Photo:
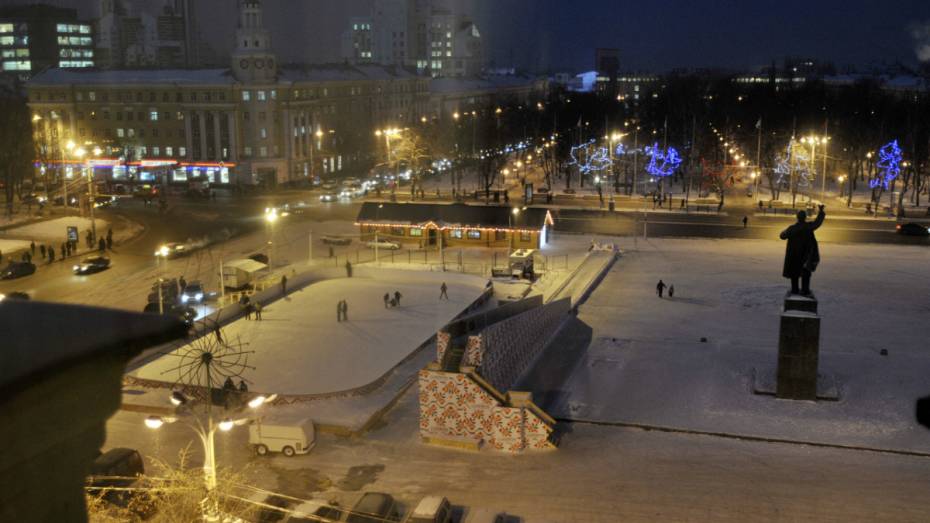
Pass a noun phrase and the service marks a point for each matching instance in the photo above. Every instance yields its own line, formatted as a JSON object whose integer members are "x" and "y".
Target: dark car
{"x": 15, "y": 295}
{"x": 17, "y": 270}
{"x": 260, "y": 258}
{"x": 118, "y": 469}
{"x": 104, "y": 201}
{"x": 374, "y": 507}
{"x": 60, "y": 200}
{"x": 193, "y": 293}
{"x": 92, "y": 265}
{"x": 182, "y": 312}
{"x": 912, "y": 229}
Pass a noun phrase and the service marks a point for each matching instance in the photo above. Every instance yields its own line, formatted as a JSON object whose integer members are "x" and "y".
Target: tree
{"x": 410, "y": 148}
{"x": 18, "y": 150}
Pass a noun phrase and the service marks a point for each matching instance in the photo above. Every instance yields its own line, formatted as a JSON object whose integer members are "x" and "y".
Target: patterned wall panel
{"x": 442, "y": 344}
{"x": 474, "y": 351}
{"x": 453, "y": 405}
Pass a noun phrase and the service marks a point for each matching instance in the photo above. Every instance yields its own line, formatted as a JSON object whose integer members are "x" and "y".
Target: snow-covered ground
{"x": 300, "y": 348}
{"x": 8, "y": 247}
{"x": 646, "y": 363}
{"x": 56, "y": 229}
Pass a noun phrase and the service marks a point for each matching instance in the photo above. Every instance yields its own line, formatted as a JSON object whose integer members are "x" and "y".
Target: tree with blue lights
{"x": 662, "y": 164}
{"x": 888, "y": 164}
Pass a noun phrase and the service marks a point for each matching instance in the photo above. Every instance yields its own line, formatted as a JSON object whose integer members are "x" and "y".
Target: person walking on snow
{"x": 102, "y": 245}
{"x": 660, "y": 287}
{"x": 348, "y": 269}
{"x": 183, "y": 283}
{"x": 109, "y": 239}
{"x": 284, "y": 285}
{"x": 387, "y": 298}
{"x": 745, "y": 221}
{"x": 32, "y": 248}
{"x": 671, "y": 291}
{"x": 339, "y": 311}
{"x": 397, "y": 297}
{"x": 443, "y": 291}
{"x": 345, "y": 310}
{"x": 258, "y": 311}
{"x": 42, "y": 250}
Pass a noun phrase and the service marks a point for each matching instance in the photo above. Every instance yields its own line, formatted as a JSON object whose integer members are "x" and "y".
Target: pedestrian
{"x": 258, "y": 311}
{"x": 339, "y": 311}
{"x": 397, "y": 296}
{"x": 229, "y": 384}
{"x": 345, "y": 310}
{"x": 443, "y": 291}
{"x": 387, "y": 298}
{"x": 102, "y": 245}
{"x": 246, "y": 306}
{"x": 393, "y": 302}
{"x": 745, "y": 221}
{"x": 682, "y": 203}
{"x": 64, "y": 252}
{"x": 242, "y": 386}
{"x": 110, "y": 240}
{"x": 284, "y": 285}
{"x": 32, "y": 247}
{"x": 671, "y": 291}
{"x": 89, "y": 238}
{"x": 660, "y": 288}
{"x": 348, "y": 269}
{"x": 331, "y": 253}
{"x": 51, "y": 254}
{"x": 182, "y": 282}
{"x": 42, "y": 250}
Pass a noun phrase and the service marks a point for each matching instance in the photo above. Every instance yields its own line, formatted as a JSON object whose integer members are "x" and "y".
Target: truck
{"x": 237, "y": 274}
{"x": 289, "y": 439}
{"x": 521, "y": 263}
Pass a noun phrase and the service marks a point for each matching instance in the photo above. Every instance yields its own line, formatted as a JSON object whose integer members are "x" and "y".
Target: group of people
{"x": 660, "y": 289}
{"x": 66, "y": 250}
{"x": 250, "y": 308}
{"x": 391, "y": 302}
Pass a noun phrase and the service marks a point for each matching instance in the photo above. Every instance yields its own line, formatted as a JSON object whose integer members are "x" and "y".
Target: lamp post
{"x": 271, "y": 216}
{"x": 205, "y": 427}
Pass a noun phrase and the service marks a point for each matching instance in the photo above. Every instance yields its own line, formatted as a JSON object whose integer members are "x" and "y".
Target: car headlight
{"x": 198, "y": 296}
{"x": 184, "y": 298}
{"x": 77, "y": 267}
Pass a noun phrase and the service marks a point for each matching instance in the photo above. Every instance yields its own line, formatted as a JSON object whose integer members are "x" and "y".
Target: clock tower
{"x": 253, "y": 60}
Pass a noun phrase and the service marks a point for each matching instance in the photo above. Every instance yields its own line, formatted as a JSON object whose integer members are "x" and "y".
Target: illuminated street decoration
{"x": 795, "y": 159}
{"x": 662, "y": 163}
{"x": 594, "y": 159}
{"x": 619, "y": 150}
{"x": 889, "y": 165}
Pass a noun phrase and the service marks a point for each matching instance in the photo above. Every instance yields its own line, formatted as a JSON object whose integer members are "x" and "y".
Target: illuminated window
{"x": 263, "y": 133}
{"x": 524, "y": 236}
{"x": 263, "y": 151}
{"x": 474, "y": 234}
{"x": 260, "y": 96}
{"x": 156, "y": 151}
{"x": 456, "y": 233}
{"x": 182, "y": 151}
{"x": 246, "y": 96}
{"x": 153, "y": 116}
{"x": 169, "y": 151}
{"x": 120, "y": 132}
{"x": 416, "y": 231}
{"x": 6, "y": 28}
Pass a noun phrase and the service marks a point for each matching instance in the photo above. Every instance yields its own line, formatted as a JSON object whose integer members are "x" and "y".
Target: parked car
{"x": 329, "y": 196}
{"x": 17, "y": 270}
{"x": 383, "y": 244}
{"x": 431, "y": 509}
{"x": 117, "y": 468}
{"x": 374, "y": 507}
{"x": 60, "y": 200}
{"x": 336, "y": 240}
{"x": 182, "y": 312}
{"x": 193, "y": 293}
{"x": 286, "y": 439}
{"x": 259, "y": 257}
{"x": 316, "y": 511}
{"x": 912, "y": 229}
{"x": 15, "y": 295}
{"x": 91, "y": 265}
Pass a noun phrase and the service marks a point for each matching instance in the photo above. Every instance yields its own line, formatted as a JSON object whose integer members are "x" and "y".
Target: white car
{"x": 383, "y": 244}
{"x": 329, "y": 197}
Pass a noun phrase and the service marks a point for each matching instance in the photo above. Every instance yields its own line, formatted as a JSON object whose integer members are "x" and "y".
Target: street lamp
{"x": 271, "y": 216}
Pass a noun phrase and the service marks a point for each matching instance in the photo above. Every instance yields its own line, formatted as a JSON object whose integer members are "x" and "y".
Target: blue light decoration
{"x": 889, "y": 165}
{"x": 596, "y": 159}
{"x": 662, "y": 163}
{"x": 619, "y": 150}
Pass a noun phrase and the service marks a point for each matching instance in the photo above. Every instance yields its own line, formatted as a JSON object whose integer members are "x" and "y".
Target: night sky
{"x": 653, "y": 36}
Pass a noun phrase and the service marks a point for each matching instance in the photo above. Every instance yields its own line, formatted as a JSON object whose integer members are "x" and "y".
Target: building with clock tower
{"x": 253, "y": 61}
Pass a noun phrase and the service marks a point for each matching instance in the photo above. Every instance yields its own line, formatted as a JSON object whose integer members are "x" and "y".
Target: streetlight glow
{"x": 226, "y": 425}
{"x": 154, "y": 422}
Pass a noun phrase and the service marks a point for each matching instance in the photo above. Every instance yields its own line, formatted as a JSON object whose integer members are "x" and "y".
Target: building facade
{"x": 130, "y": 39}
{"x": 357, "y": 45}
{"x": 253, "y": 123}
{"x": 36, "y": 37}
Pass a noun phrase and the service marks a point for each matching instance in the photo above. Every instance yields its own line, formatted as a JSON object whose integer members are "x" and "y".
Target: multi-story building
{"x": 357, "y": 45}
{"x": 36, "y": 37}
{"x": 426, "y": 35}
{"x": 129, "y": 39}
{"x": 252, "y": 123}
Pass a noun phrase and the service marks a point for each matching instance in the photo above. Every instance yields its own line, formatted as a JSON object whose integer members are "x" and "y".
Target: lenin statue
{"x": 802, "y": 254}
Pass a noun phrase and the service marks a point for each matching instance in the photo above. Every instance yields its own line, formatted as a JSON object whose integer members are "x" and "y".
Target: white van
{"x": 286, "y": 439}
{"x": 431, "y": 509}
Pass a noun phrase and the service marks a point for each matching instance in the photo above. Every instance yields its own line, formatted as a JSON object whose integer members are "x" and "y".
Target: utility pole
{"x": 755, "y": 189}
{"x": 823, "y": 179}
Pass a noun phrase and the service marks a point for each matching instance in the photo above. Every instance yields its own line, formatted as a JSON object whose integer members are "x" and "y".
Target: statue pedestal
{"x": 798, "y": 349}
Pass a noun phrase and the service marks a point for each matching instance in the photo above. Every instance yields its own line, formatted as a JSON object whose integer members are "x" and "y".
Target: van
{"x": 286, "y": 439}
{"x": 431, "y": 509}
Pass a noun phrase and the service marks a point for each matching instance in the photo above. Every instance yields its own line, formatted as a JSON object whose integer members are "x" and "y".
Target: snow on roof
{"x": 428, "y": 506}
{"x": 455, "y": 215}
{"x": 58, "y": 76}
{"x": 490, "y": 83}
{"x": 246, "y": 265}
{"x": 344, "y": 72}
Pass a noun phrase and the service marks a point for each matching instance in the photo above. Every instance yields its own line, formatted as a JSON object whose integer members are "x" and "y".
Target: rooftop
{"x": 453, "y": 215}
